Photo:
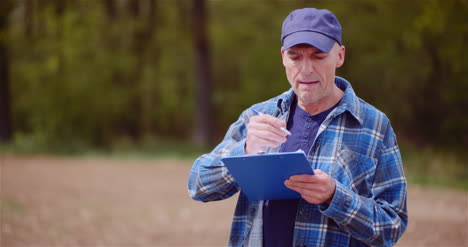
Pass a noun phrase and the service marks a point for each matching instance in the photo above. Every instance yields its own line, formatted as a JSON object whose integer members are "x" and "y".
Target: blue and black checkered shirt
{"x": 356, "y": 145}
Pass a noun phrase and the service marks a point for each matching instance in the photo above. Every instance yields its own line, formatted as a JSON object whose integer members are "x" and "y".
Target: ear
{"x": 341, "y": 56}
{"x": 282, "y": 55}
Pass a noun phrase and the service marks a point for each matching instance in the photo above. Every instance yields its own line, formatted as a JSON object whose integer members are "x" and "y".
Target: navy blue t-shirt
{"x": 279, "y": 216}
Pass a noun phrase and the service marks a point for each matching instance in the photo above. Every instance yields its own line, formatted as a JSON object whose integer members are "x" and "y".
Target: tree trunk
{"x": 111, "y": 9}
{"x": 29, "y": 7}
{"x": 145, "y": 15}
{"x": 5, "y": 116}
{"x": 203, "y": 114}
{"x": 147, "y": 41}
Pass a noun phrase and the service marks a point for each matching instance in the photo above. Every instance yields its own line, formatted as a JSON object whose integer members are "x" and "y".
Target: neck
{"x": 324, "y": 104}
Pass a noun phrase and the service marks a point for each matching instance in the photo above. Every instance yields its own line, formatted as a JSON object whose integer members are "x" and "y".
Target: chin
{"x": 307, "y": 98}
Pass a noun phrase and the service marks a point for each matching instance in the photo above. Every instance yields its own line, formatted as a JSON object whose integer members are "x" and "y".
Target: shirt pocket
{"x": 355, "y": 171}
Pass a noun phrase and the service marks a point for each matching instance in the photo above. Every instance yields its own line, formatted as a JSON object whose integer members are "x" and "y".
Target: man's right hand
{"x": 264, "y": 131}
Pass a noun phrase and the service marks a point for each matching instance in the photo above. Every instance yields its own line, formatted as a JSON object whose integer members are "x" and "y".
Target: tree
{"x": 203, "y": 87}
{"x": 5, "y": 118}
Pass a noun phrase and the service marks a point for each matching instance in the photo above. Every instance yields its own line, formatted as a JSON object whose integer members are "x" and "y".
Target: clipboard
{"x": 261, "y": 177}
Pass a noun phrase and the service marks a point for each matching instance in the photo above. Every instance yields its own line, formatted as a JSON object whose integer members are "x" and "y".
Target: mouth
{"x": 308, "y": 82}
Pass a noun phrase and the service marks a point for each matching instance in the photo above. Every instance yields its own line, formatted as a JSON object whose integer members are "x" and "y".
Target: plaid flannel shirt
{"x": 355, "y": 145}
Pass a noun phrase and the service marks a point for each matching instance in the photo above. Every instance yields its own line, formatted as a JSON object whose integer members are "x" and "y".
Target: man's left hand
{"x": 316, "y": 189}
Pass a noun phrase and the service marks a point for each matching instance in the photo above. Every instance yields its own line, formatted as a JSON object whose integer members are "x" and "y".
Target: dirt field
{"x": 98, "y": 202}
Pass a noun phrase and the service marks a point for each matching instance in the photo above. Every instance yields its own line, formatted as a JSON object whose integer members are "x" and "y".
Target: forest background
{"x": 170, "y": 76}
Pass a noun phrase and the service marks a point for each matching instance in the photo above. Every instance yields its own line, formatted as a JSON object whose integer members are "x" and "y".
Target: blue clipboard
{"x": 261, "y": 177}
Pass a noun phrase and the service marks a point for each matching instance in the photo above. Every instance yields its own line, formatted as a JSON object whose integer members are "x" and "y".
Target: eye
{"x": 294, "y": 58}
{"x": 320, "y": 56}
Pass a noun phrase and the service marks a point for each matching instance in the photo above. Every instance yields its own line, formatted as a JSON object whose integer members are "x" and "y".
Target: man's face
{"x": 311, "y": 72}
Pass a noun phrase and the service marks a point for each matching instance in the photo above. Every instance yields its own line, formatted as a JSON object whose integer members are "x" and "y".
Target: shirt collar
{"x": 350, "y": 102}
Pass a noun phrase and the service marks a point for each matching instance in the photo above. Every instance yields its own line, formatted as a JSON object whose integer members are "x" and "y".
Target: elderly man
{"x": 357, "y": 196}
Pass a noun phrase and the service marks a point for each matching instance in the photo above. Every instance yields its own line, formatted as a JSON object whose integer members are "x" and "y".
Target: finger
{"x": 266, "y": 131}
{"x": 303, "y": 186}
{"x": 306, "y": 178}
{"x": 273, "y": 124}
{"x": 319, "y": 172}
{"x": 273, "y": 137}
{"x": 318, "y": 177}
{"x": 276, "y": 122}
{"x": 312, "y": 195}
{"x": 312, "y": 199}
{"x": 260, "y": 140}
{"x": 256, "y": 143}
{"x": 267, "y": 127}
{"x": 292, "y": 186}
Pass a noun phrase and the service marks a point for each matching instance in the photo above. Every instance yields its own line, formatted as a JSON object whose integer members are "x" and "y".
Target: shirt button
{"x": 309, "y": 119}
{"x": 252, "y": 212}
{"x": 305, "y": 136}
{"x": 235, "y": 239}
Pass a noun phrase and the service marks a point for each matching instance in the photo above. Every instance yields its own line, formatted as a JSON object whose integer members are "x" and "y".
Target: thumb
{"x": 319, "y": 172}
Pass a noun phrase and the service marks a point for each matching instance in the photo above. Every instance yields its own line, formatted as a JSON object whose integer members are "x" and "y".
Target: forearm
{"x": 209, "y": 179}
{"x": 380, "y": 217}
{"x": 373, "y": 221}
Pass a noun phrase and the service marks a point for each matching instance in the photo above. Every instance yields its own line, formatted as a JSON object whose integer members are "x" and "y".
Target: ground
{"x": 47, "y": 201}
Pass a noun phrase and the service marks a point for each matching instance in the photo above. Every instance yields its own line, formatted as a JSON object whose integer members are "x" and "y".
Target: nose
{"x": 307, "y": 67}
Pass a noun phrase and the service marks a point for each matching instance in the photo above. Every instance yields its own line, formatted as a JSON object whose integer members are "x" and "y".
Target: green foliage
{"x": 435, "y": 167}
{"x": 10, "y": 208}
{"x": 83, "y": 77}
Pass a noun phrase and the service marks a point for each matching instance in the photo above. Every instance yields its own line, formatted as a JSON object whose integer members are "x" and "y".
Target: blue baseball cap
{"x": 316, "y": 27}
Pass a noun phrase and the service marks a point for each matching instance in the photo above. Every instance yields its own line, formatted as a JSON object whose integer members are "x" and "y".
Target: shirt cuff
{"x": 339, "y": 205}
{"x": 239, "y": 149}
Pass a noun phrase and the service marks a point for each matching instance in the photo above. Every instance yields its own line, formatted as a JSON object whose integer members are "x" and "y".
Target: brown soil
{"x": 106, "y": 202}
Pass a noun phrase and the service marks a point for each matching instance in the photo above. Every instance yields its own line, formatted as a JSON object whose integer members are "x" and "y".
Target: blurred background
{"x": 153, "y": 75}
{"x": 157, "y": 79}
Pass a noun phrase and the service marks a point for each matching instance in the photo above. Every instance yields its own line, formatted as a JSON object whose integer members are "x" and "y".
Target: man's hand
{"x": 264, "y": 131}
{"x": 316, "y": 189}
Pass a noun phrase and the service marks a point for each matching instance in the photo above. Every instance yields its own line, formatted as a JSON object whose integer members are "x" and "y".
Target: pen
{"x": 281, "y": 128}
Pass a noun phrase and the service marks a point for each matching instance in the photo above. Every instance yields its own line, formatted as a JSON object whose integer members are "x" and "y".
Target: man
{"x": 357, "y": 196}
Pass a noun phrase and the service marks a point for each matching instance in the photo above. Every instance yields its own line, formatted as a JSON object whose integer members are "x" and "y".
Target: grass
{"x": 121, "y": 149}
{"x": 426, "y": 166}
{"x": 9, "y": 207}
{"x": 149, "y": 150}
{"x": 434, "y": 167}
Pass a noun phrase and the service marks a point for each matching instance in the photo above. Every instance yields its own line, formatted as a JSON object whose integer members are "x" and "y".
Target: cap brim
{"x": 315, "y": 39}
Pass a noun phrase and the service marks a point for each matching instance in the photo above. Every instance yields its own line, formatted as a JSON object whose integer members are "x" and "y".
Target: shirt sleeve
{"x": 381, "y": 219}
{"x": 209, "y": 179}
